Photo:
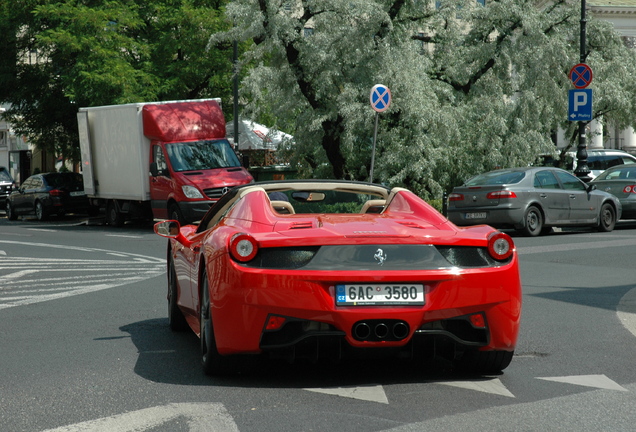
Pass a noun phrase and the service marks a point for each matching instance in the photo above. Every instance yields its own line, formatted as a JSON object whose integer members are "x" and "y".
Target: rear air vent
{"x": 301, "y": 225}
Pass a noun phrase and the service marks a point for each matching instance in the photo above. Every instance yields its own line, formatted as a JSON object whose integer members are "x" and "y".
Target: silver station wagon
{"x": 532, "y": 200}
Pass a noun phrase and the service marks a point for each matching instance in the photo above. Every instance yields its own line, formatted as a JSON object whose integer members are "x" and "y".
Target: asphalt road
{"x": 85, "y": 346}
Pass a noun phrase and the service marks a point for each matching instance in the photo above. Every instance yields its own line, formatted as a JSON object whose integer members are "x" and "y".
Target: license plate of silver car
{"x": 480, "y": 215}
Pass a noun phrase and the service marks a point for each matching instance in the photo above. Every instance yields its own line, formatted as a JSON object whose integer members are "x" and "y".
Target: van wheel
{"x": 113, "y": 216}
{"x": 174, "y": 213}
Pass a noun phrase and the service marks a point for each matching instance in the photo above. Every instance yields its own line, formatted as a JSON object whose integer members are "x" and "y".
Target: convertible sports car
{"x": 324, "y": 269}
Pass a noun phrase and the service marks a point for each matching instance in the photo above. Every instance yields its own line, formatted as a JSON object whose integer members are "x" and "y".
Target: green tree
{"x": 62, "y": 55}
{"x": 474, "y": 87}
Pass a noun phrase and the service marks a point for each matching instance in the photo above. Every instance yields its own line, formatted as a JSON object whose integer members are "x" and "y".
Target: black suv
{"x": 6, "y": 185}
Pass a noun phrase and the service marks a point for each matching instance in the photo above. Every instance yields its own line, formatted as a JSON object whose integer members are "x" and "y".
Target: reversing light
{"x": 274, "y": 322}
{"x": 500, "y": 245}
{"x": 243, "y": 247}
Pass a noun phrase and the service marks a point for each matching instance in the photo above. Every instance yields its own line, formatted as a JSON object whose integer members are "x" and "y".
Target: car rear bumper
{"x": 629, "y": 209}
{"x": 496, "y": 217}
{"x": 305, "y": 301}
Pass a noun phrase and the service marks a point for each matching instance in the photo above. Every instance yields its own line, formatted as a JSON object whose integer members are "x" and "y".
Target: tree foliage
{"x": 473, "y": 87}
{"x": 62, "y": 55}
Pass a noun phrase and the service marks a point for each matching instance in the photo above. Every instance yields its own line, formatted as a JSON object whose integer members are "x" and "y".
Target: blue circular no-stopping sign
{"x": 380, "y": 98}
{"x": 581, "y": 75}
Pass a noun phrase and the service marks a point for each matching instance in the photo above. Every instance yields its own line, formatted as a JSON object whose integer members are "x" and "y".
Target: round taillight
{"x": 500, "y": 246}
{"x": 243, "y": 247}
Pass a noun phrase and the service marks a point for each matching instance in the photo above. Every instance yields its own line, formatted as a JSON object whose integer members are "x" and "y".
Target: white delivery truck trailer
{"x": 157, "y": 160}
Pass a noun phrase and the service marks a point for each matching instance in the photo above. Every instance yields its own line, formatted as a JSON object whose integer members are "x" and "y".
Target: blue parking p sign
{"x": 580, "y": 105}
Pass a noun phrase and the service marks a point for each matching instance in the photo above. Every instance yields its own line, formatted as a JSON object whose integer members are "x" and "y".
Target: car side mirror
{"x": 153, "y": 169}
{"x": 171, "y": 229}
{"x": 591, "y": 187}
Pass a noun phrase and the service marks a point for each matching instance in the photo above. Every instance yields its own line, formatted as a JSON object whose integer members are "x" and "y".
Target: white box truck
{"x": 157, "y": 160}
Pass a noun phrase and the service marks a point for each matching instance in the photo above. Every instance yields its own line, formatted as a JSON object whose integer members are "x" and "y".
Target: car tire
{"x": 485, "y": 362}
{"x": 606, "y": 218}
{"x": 11, "y": 215}
{"x": 113, "y": 216}
{"x": 533, "y": 222}
{"x": 40, "y": 212}
{"x": 213, "y": 363}
{"x": 176, "y": 319}
{"x": 174, "y": 213}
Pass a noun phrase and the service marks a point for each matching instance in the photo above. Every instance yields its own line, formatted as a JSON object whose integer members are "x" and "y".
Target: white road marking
{"x": 373, "y": 393}
{"x": 16, "y": 275}
{"x": 493, "y": 386}
{"x": 200, "y": 417}
{"x": 595, "y": 381}
{"x": 32, "y": 280}
{"x": 124, "y": 236}
{"x": 41, "y": 229}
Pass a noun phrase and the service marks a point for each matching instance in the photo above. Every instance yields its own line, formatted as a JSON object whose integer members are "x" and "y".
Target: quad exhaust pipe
{"x": 380, "y": 330}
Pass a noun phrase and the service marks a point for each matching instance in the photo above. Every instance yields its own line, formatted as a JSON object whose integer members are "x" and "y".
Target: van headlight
{"x": 191, "y": 192}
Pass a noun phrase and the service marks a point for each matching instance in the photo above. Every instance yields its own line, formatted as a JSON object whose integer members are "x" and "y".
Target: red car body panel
{"x": 243, "y": 297}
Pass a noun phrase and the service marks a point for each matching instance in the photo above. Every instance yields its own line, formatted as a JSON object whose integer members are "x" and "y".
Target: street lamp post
{"x": 235, "y": 83}
{"x": 582, "y": 170}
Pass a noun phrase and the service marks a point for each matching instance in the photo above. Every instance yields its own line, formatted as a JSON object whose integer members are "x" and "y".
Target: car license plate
{"x": 481, "y": 215}
{"x": 379, "y": 295}
{"x": 78, "y": 193}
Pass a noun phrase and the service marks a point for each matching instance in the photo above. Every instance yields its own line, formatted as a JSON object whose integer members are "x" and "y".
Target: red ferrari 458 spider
{"x": 328, "y": 269}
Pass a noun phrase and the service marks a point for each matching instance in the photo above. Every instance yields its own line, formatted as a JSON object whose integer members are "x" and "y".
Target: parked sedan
{"x": 532, "y": 200}
{"x": 621, "y": 182}
{"x": 329, "y": 269}
{"x": 47, "y": 194}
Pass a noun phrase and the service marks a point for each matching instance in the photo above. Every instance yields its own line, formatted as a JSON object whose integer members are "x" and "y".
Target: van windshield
{"x": 201, "y": 155}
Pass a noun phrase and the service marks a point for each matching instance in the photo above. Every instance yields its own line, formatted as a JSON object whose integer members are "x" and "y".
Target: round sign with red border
{"x": 581, "y": 75}
{"x": 380, "y": 98}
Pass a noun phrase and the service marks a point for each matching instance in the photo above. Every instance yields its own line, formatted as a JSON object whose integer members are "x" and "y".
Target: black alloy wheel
{"x": 213, "y": 363}
{"x": 40, "y": 212}
{"x": 176, "y": 319}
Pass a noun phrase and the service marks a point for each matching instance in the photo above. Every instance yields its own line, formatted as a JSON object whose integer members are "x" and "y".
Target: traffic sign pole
{"x": 375, "y": 135}
{"x": 582, "y": 171}
{"x": 380, "y": 99}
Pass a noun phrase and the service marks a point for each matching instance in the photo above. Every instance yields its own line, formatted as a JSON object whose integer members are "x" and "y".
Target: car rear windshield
{"x": 64, "y": 180}
{"x": 497, "y": 178}
{"x": 4, "y": 176}
{"x": 624, "y": 173}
